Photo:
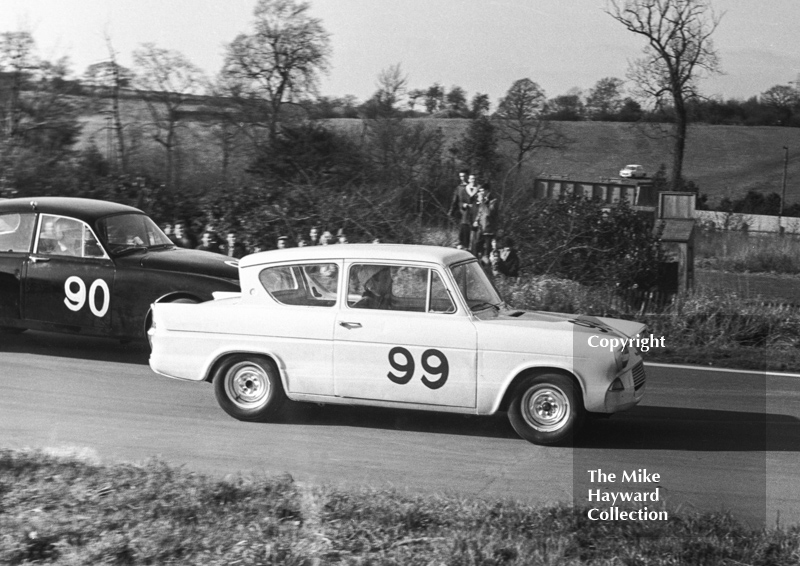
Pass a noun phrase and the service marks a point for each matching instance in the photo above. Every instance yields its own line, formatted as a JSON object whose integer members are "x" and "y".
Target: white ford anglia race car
{"x": 416, "y": 327}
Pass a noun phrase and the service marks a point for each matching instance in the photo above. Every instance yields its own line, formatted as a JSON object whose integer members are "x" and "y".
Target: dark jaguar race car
{"x": 93, "y": 267}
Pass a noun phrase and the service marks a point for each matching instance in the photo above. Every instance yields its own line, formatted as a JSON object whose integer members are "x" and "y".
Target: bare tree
{"x": 480, "y": 105}
{"x": 392, "y": 86}
{"x": 279, "y": 61}
{"x": 434, "y": 98}
{"x": 520, "y": 121}
{"x": 17, "y": 58}
{"x": 780, "y": 96}
{"x": 413, "y": 95}
{"x": 110, "y": 77}
{"x": 456, "y": 99}
{"x": 679, "y": 51}
{"x": 121, "y": 77}
{"x": 605, "y": 98}
{"x": 38, "y": 117}
{"x": 166, "y": 81}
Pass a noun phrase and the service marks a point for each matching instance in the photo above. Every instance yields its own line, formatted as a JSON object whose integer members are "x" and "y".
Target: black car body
{"x": 93, "y": 267}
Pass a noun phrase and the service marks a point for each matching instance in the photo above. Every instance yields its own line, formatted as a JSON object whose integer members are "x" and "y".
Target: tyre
{"x": 249, "y": 388}
{"x": 547, "y": 409}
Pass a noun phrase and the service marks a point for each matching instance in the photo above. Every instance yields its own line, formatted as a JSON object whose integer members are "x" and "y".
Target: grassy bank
{"x": 68, "y": 511}
{"x": 743, "y": 253}
{"x": 706, "y": 328}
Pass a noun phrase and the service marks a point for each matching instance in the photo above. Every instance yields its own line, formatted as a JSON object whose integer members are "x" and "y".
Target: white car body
{"x": 449, "y": 354}
{"x": 632, "y": 171}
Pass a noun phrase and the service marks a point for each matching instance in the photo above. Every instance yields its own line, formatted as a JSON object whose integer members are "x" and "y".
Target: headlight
{"x": 622, "y": 356}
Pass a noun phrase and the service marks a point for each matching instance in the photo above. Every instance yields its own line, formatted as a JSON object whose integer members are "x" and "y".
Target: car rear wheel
{"x": 249, "y": 388}
{"x": 547, "y": 409}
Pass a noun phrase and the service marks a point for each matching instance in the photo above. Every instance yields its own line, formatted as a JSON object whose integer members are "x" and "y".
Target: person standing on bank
{"x": 232, "y": 247}
{"x": 461, "y": 207}
{"x": 485, "y": 221}
{"x": 313, "y": 236}
{"x": 208, "y": 242}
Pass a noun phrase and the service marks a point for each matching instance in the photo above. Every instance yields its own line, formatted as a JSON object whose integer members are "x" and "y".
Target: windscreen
{"x": 475, "y": 287}
{"x": 124, "y": 231}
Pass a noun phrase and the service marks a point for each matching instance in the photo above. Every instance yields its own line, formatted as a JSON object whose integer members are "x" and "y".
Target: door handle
{"x": 350, "y": 325}
{"x": 35, "y": 258}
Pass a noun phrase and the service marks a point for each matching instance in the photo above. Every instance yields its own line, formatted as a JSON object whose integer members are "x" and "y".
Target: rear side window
{"x": 309, "y": 285}
{"x": 61, "y": 236}
{"x": 16, "y": 232}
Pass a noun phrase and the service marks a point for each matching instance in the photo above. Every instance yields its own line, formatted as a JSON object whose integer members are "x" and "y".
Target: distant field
{"x": 722, "y": 160}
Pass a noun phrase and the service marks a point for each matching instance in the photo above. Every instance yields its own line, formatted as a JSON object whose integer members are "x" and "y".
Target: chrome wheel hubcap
{"x": 546, "y": 408}
{"x": 247, "y": 385}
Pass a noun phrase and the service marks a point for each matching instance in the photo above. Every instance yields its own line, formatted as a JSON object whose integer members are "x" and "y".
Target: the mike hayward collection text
{"x": 614, "y": 499}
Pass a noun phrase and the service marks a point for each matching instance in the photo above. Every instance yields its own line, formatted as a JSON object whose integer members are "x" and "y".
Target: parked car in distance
{"x": 632, "y": 171}
{"x": 93, "y": 267}
{"x": 402, "y": 326}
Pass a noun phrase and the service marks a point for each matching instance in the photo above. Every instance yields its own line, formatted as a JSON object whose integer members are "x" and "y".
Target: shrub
{"x": 583, "y": 240}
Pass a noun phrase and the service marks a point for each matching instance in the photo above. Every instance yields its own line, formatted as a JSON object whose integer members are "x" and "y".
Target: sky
{"x": 479, "y": 45}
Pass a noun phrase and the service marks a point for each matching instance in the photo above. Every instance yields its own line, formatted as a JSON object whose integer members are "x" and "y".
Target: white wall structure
{"x": 748, "y": 222}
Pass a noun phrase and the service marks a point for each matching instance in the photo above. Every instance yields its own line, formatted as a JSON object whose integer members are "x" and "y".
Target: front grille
{"x": 638, "y": 376}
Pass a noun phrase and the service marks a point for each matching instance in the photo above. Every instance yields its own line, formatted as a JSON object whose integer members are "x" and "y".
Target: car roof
{"x": 84, "y": 209}
{"x": 366, "y": 252}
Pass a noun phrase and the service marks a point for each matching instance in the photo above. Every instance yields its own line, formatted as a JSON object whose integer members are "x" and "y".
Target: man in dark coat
{"x": 461, "y": 207}
{"x": 506, "y": 261}
{"x": 485, "y": 221}
{"x": 232, "y": 247}
{"x": 208, "y": 242}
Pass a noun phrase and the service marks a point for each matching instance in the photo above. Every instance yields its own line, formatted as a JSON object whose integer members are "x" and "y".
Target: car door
{"x": 69, "y": 279}
{"x": 300, "y": 326}
{"x": 400, "y": 336}
{"x": 16, "y": 240}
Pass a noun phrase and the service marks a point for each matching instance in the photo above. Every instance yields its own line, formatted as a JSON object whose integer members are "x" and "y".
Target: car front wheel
{"x": 249, "y": 388}
{"x": 546, "y": 409}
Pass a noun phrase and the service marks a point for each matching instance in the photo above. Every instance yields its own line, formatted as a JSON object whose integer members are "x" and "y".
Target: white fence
{"x": 748, "y": 222}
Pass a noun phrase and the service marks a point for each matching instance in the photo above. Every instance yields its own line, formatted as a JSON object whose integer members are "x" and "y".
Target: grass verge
{"x": 68, "y": 511}
{"x": 740, "y": 252}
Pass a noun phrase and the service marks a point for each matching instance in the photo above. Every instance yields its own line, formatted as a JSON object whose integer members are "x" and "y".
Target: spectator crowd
{"x": 474, "y": 206}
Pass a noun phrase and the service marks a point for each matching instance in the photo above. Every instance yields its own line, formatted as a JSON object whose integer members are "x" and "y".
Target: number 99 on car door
{"x": 400, "y": 337}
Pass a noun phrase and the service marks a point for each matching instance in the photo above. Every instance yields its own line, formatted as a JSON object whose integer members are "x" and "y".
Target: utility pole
{"x": 783, "y": 192}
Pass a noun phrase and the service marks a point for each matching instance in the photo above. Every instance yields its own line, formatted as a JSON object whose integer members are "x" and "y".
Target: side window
{"x": 91, "y": 247}
{"x": 62, "y": 236}
{"x": 312, "y": 285}
{"x": 384, "y": 287}
{"x": 370, "y": 287}
{"x": 410, "y": 285}
{"x": 16, "y": 232}
{"x": 440, "y": 299}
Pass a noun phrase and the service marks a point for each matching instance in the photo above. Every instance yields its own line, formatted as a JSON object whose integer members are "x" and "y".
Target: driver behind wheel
{"x": 68, "y": 238}
{"x": 377, "y": 282}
